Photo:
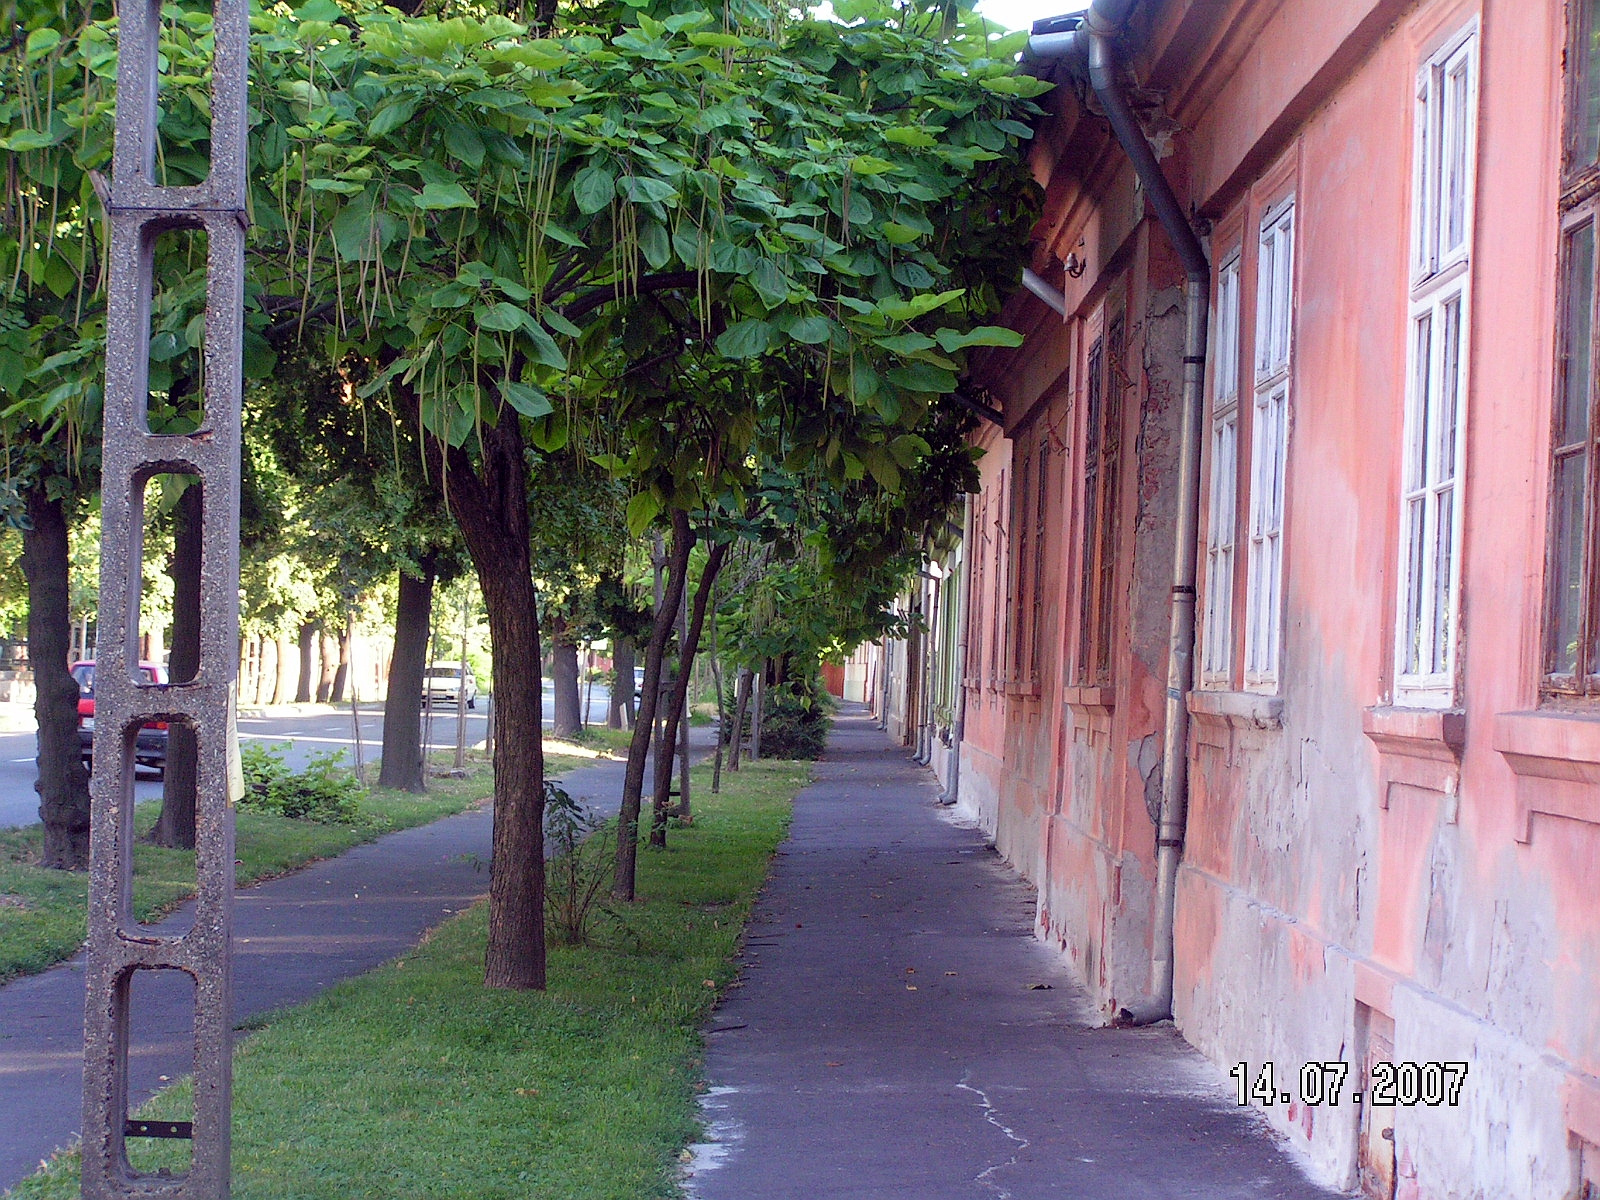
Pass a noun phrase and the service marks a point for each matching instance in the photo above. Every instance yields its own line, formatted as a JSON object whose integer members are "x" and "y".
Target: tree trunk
{"x": 716, "y": 680}
{"x": 288, "y": 664}
{"x": 492, "y": 511}
{"x": 328, "y": 657}
{"x": 341, "y": 677}
{"x": 63, "y": 784}
{"x": 677, "y": 699}
{"x": 620, "y": 714}
{"x": 568, "y": 720}
{"x": 401, "y": 764}
{"x": 760, "y": 690}
{"x": 622, "y": 886}
{"x": 180, "y": 788}
{"x": 741, "y": 706}
{"x": 308, "y": 654}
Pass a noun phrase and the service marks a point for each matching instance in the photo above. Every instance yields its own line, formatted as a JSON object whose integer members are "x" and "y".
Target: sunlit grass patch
{"x": 415, "y": 1080}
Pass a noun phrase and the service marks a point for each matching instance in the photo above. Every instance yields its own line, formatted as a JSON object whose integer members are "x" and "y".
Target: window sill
{"x": 1219, "y": 716}
{"x": 1419, "y": 751}
{"x": 1238, "y": 710}
{"x": 1556, "y": 757}
{"x": 1094, "y": 699}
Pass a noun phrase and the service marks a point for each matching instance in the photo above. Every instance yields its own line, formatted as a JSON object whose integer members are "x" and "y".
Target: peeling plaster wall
{"x": 1351, "y": 874}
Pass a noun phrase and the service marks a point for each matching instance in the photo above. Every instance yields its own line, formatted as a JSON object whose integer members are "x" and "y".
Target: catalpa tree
{"x": 698, "y": 242}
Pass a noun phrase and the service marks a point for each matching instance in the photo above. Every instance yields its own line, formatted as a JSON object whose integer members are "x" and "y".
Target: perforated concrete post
{"x": 139, "y": 211}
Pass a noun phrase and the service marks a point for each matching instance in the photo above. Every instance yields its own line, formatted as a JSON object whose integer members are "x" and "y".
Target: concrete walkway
{"x": 293, "y": 937}
{"x": 899, "y": 1032}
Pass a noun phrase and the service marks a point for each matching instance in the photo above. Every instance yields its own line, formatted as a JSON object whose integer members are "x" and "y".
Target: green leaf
{"x": 592, "y": 188}
{"x": 526, "y": 399}
{"x": 642, "y": 189}
{"x": 899, "y": 234}
{"x": 444, "y": 195}
{"x": 544, "y": 346}
{"x": 908, "y": 135}
{"x": 984, "y": 335}
{"x": 770, "y": 283}
{"x": 501, "y": 317}
{"x": 28, "y": 139}
{"x": 812, "y": 331}
{"x": 745, "y": 339}
{"x": 393, "y": 115}
{"x": 560, "y": 324}
{"x": 642, "y": 509}
{"x": 907, "y": 449}
{"x": 906, "y": 343}
{"x": 654, "y": 244}
{"x": 897, "y": 309}
{"x": 923, "y": 377}
{"x": 463, "y": 142}
{"x": 870, "y": 164}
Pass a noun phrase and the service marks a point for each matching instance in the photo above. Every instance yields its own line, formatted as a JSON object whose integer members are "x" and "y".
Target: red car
{"x": 150, "y": 749}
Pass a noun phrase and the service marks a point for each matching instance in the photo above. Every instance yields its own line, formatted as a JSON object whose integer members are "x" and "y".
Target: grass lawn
{"x": 42, "y": 912}
{"x": 416, "y": 1081}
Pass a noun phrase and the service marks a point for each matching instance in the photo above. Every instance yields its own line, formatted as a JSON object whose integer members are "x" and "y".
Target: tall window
{"x": 1000, "y": 536}
{"x": 1269, "y": 447}
{"x": 1022, "y": 531}
{"x": 1029, "y": 482}
{"x": 1216, "y": 664}
{"x": 1571, "y": 628}
{"x": 1101, "y": 477}
{"x": 1430, "y": 508}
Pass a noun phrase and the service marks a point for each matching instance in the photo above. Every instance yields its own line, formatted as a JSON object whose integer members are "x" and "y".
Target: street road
{"x": 300, "y": 734}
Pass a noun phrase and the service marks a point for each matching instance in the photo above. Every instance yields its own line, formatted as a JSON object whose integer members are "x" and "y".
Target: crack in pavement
{"x": 991, "y": 1115}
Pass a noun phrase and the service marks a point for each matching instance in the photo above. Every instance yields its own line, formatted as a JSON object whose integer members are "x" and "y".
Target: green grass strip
{"x": 43, "y": 913}
{"x": 416, "y": 1081}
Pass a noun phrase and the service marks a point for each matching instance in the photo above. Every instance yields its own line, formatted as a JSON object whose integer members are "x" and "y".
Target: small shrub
{"x": 325, "y": 792}
{"x": 579, "y": 843}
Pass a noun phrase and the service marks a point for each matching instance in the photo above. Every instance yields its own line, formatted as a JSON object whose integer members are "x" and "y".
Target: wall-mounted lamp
{"x": 1074, "y": 265}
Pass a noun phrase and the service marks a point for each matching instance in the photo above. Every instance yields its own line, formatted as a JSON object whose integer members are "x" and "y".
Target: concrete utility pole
{"x": 139, "y": 211}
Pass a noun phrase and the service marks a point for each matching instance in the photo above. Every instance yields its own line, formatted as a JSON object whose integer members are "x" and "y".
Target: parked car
{"x": 150, "y": 748}
{"x": 442, "y": 685}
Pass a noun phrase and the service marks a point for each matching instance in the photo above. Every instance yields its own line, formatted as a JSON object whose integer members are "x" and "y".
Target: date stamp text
{"x": 1323, "y": 1083}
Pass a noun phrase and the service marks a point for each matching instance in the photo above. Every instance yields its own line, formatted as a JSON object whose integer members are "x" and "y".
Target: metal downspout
{"x": 952, "y": 789}
{"x": 1094, "y": 40}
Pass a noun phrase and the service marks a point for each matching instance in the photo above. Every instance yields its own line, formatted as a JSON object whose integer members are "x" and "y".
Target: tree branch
{"x": 601, "y": 296}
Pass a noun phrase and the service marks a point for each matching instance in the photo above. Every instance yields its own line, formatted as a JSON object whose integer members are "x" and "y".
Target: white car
{"x": 442, "y": 685}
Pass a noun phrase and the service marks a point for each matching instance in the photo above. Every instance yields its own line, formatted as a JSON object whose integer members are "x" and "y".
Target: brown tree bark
{"x": 287, "y": 664}
{"x": 741, "y": 707}
{"x": 621, "y": 711}
{"x": 63, "y": 784}
{"x": 341, "y": 677}
{"x": 307, "y": 662}
{"x": 328, "y": 662}
{"x": 401, "y": 765}
{"x": 623, "y": 882}
{"x": 677, "y": 699}
{"x": 567, "y": 719}
{"x": 490, "y": 505}
{"x": 180, "y": 789}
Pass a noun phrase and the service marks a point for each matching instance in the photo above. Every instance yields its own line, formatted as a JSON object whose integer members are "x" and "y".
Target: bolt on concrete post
{"x": 139, "y": 210}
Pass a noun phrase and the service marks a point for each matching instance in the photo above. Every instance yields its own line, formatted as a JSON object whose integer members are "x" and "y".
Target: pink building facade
{"x": 1391, "y": 853}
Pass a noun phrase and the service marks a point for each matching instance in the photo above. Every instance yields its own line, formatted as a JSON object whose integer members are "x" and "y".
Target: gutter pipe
{"x": 1091, "y": 47}
{"x": 952, "y": 789}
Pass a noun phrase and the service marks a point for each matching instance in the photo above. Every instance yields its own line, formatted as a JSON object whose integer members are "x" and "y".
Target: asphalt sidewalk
{"x": 293, "y": 937}
{"x": 899, "y": 1034}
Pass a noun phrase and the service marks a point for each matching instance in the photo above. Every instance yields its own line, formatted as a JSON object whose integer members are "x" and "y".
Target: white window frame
{"x": 1216, "y": 662}
{"x": 1428, "y": 603}
{"x": 1269, "y": 448}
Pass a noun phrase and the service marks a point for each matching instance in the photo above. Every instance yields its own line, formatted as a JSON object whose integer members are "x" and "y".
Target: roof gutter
{"x": 1091, "y": 48}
